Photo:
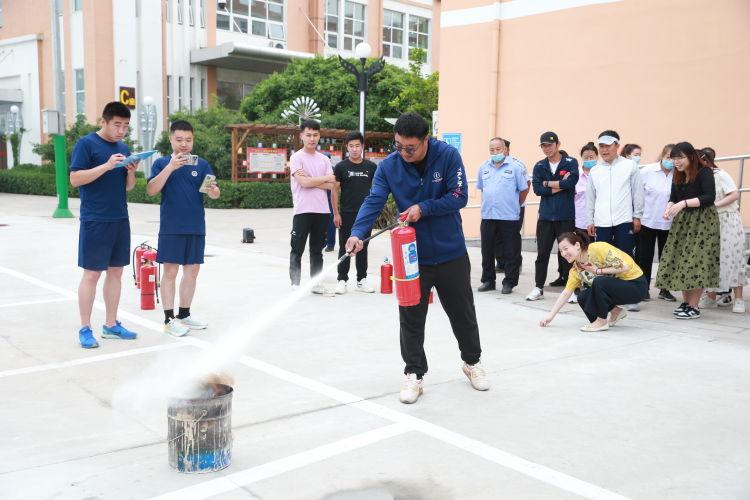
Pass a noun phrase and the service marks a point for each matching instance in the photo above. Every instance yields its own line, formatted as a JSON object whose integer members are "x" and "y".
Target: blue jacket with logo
{"x": 440, "y": 192}
{"x": 560, "y": 205}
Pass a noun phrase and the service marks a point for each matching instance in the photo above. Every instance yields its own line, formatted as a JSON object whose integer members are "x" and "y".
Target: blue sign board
{"x": 454, "y": 139}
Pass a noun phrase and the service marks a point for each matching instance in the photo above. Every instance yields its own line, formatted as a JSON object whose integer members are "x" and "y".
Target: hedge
{"x": 31, "y": 179}
{"x": 41, "y": 181}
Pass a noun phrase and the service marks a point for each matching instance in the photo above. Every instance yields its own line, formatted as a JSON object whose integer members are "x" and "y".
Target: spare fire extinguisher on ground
{"x": 386, "y": 277}
{"x": 138, "y": 260}
{"x": 149, "y": 280}
{"x": 406, "y": 265}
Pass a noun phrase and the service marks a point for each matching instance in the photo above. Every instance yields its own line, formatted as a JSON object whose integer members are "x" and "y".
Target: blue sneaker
{"x": 86, "y": 338}
{"x": 118, "y": 332}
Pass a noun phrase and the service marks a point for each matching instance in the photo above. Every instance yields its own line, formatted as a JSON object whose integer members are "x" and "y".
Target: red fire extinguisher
{"x": 405, "y": 265}
{"x": 386, "y": 277}
{"x": 149, "y": 280}
{"x": 137, "y": 261}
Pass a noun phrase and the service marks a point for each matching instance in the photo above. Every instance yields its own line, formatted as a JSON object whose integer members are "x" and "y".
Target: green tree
{"x": 392, "y": 91}
{"x": 212, "y": 140}
{"x": 77, "y": 130}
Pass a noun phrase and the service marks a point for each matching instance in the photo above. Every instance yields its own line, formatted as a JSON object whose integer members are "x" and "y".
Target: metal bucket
{"x": 200, "y": 431}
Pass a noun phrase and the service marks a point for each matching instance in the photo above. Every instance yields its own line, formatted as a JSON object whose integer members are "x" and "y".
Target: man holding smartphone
{"x": 96, "y": 169}
{"x": 182, "y": 224}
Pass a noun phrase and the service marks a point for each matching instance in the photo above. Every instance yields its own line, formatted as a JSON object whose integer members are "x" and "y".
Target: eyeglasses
{"x": 410, "y": 150}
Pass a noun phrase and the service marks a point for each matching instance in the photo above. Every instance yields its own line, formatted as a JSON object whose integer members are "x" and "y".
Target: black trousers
{"x": 606, "y": 292}
{"x": 621, "y": 236}
{"x": 503, "y": 235}
{"x": 647, "y": 237}
{"x": 453, "y": 285}
{"x": 499, "y": 251}
{"x": 546, "y": 233}
{"x": 304, "y": 225}
{"x": 347, "y": 221}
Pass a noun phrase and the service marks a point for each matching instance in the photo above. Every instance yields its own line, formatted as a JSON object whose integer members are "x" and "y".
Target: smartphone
{"x": 207, "y": 180}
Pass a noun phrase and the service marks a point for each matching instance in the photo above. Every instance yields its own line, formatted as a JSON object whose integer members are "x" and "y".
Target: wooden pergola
{"x": 288, "y": 136}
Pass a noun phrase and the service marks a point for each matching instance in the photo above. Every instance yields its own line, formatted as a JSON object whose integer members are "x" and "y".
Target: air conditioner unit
{"x": 277, "y": 45}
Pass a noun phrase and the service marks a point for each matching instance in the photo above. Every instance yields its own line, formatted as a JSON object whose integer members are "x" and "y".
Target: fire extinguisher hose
{"x": 388, "y": 228}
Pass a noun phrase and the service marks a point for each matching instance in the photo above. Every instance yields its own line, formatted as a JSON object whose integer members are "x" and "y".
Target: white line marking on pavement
{"x": 495, "y": 455}
{"x": 86, "y": 361}
{"x": 275, "y": 468}
{"x": 40, "y": 301}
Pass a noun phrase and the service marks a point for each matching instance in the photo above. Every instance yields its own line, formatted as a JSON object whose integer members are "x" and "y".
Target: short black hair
{"x": 612, "y": 133}
{"x": 180, "y": 125}
{"x": 507, "y": 143}
{"x": 411, "y": 125}
{"x": 354, "y": 135}
{"x": 590, "y": 146}
{"x": 311, "y": 124}
{"x": 113, "y": 109}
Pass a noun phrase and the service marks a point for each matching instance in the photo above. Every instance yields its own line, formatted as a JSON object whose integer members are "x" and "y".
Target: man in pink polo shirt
{"x": 311, "y": 175}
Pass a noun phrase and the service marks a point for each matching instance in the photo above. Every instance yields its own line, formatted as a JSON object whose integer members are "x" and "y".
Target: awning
{"x": 232, "y": 55}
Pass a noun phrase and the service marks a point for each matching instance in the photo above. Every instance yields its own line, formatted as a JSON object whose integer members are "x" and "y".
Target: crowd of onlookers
{"x": 610, "y": 214}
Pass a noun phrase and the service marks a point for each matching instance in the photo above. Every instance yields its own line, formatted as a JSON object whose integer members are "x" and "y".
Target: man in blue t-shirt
{"x": 182, "y": 224}
{"x": 104, "y": 236}
{"x": 502, "y": 181}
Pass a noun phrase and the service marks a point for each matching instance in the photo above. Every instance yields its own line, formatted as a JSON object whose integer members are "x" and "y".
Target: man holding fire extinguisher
{"x": 428, "y": 182}
{"x": 97, "y": 168}
{"x": 181, "y": 178}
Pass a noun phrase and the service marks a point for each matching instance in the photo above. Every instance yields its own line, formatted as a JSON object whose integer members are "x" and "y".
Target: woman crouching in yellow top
{"x": 606, "y": 275}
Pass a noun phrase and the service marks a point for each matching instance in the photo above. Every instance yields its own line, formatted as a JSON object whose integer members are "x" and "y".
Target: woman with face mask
{"x": 657, "y": 186}
{"x": 732, "y": 260}
{"x": 632, "y": 152}
{"x": 690, "y": 261}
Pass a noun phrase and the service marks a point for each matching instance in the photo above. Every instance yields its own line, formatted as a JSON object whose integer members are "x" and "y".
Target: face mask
{"x": 497, "y": 158}
{"x": 589, "y": 163}
{"x": 636, "y": 159}
{"x": 667, "y": 164}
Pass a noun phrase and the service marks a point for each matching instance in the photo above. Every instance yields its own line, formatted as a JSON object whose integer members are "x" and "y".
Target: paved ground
{"x": 653, "y": 409}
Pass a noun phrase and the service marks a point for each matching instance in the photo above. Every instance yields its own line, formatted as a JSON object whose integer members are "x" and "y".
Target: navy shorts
{"x": 183, "y": 249}
{"x": 104, "y": 244}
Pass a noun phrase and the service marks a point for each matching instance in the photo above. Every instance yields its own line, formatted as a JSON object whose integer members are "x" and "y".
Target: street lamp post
{"x": 362, "y": 51}
{"x": 148, "y": 130}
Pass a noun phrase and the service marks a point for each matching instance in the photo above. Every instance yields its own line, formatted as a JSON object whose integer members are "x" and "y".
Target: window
{"x": 230, "y": 94}
{"x": 264, "y": 18}
{"x": 168, "y": 10}
{"x": 190, "y": 94}
{"x": 393, "y": 34}
{"x": 169, "y": 94}
{"x": 203, "y": 92}
{"x": 344, "y": 23}
{"x": 79, "y": 92}
{"x": 179, "y": 12}
{"x": 397, "y": 40}
{"x": 331, "y": 27}
{"x": 77, "y": 5}
{"x": 179, "y": 93}
{"x": 2, "y": 19}
{"x": 419, "y": 33}
{"x": 202, "y": 16}
{"x": 191, "y": 13}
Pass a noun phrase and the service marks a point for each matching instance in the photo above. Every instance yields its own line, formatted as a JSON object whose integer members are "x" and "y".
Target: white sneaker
{"x": 322, "y": 290}
{"x": 364, "y": 286}
{"x": 573, "y": 299}
{"x": 341, "y": 287}
{"x": 536, "y": 294}
{"x": 632, "y": 307}
{"x": 477, "y": 376}
{"x": 175, "y": 328}
{"x": 706, "y": 302}
{"x": 739, "y": 306}
{"x": 411, "y": 389}
{"x": 194, "y": 324}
